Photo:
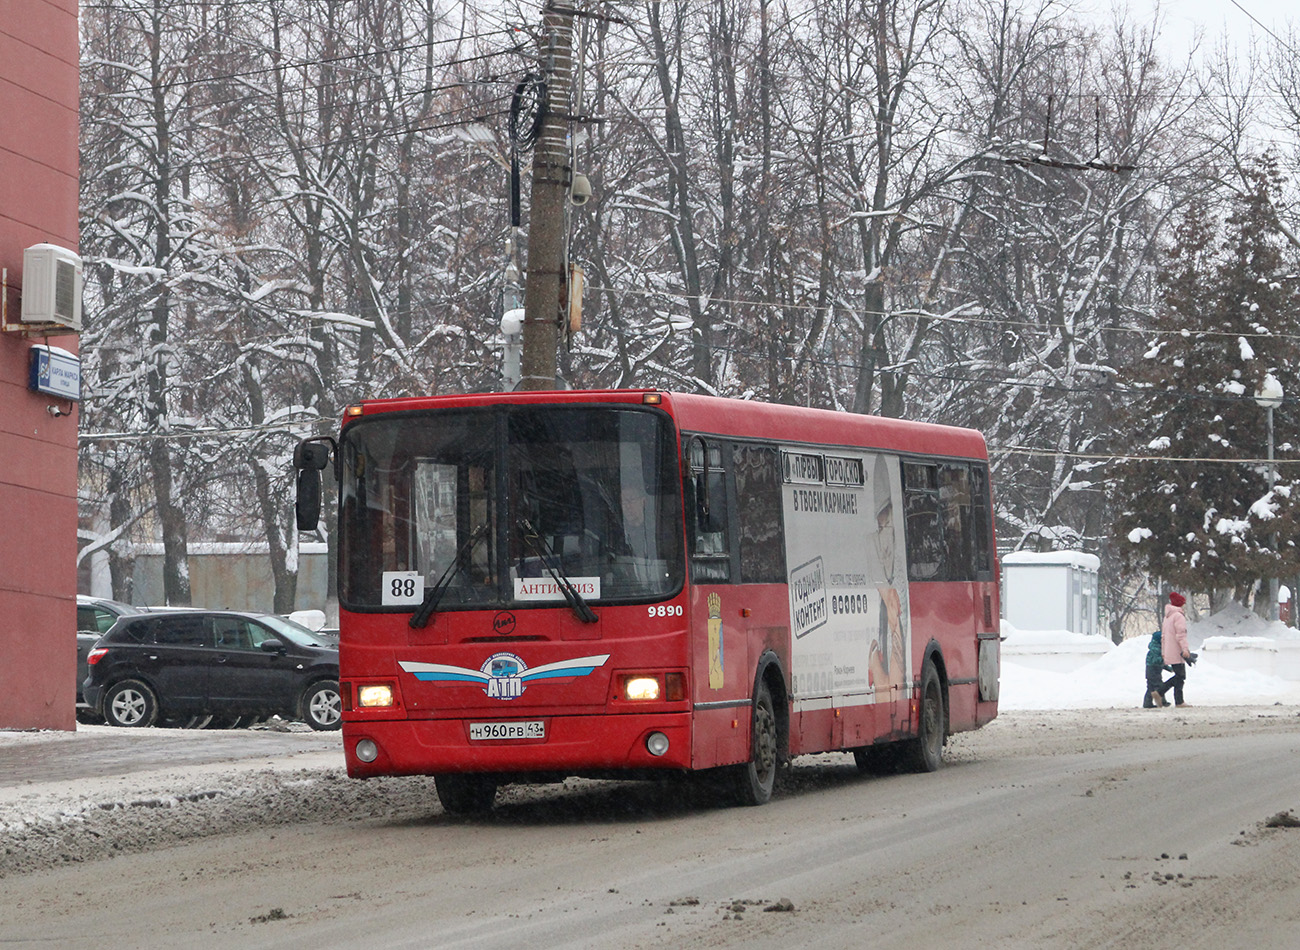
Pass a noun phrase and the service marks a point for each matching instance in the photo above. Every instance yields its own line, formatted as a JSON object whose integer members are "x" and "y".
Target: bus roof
{"x": 739, "y": 418}
{"x": 760, "y": 420}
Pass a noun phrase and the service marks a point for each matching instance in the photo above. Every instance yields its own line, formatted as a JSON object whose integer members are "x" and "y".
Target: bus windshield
{"x": 490, "y": 506}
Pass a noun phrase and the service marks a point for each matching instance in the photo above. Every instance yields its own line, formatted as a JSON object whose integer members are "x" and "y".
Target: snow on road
{"x": 165, "y": 791}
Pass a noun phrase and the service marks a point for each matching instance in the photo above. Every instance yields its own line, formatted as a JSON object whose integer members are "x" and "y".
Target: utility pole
{"x": 551, "y": 181}
{"x": 512, "y": 312}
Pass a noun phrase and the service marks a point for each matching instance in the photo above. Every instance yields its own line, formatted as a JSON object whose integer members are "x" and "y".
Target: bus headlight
{"x": 367, "y": 751}
{"x": 374, "y": 694}
{"x": 649, "y": 687}
{"x": 641, "y": 688}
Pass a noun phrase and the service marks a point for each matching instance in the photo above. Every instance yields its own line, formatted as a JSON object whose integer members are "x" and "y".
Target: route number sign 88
{"x": 402, "y": 587}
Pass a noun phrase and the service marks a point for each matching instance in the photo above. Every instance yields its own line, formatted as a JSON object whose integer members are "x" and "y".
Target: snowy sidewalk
{"x": 36, "y": 764}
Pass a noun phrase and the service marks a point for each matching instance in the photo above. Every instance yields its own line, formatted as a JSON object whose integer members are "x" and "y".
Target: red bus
{"x": 627, "y": 583}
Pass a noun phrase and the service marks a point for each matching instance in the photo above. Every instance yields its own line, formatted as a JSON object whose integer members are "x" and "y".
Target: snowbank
{"x": 1237, "y": 665}
{"x": 1238, "y": 621}
{"x": 1058, "y": 651}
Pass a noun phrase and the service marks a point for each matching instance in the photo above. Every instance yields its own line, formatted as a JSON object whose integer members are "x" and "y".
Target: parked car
{"x": 174, "y": 665}
{"x": 94, "y": 616}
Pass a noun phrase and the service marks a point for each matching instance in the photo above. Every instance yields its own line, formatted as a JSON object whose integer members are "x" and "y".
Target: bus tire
{"x": 925, "y": 752}
{"x": 466, "y": 794}
{"x": 753, "y": 782}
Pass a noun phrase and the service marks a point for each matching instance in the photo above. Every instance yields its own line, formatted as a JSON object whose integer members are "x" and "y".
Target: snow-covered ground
{"x": 1035, "y": 673}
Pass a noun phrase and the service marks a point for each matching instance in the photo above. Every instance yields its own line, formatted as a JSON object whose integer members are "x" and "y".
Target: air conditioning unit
{"x": 51, "y": 286}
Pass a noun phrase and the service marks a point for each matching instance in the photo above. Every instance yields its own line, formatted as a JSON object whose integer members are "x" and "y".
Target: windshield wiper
{"x": 538, "y": 547}
{"x": 434, "y": 594}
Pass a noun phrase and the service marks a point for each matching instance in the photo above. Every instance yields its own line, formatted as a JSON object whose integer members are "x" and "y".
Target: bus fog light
{"x": 367, "y": 751}
{"x": 375, "y": 695}
{"x": 656, "y": 743}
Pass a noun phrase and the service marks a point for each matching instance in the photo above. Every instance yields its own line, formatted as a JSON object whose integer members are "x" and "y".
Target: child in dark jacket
{"x": 1155, "y": 674}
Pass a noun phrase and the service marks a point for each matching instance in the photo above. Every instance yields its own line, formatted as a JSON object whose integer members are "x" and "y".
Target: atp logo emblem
{"x": 504, "y": 676}
{"x": 504, "y": 681}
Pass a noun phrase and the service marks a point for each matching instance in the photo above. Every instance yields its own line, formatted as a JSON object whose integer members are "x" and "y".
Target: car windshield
{"x": 295, "y": 632}
{"x": 494, "y": 507}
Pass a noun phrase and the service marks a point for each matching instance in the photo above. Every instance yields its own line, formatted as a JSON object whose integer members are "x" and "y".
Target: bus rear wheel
{"x": 753, "y": 782}
{"x": 467, "y": 794}
{"x": 925, "y": 752}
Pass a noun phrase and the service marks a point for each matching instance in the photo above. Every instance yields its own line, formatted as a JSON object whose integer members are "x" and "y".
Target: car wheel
{"x": 130, "y": 703}
{"x": 321, "y": 706}
{"x": 470, "y": 794}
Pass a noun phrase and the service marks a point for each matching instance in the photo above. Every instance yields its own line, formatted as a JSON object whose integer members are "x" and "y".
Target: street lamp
{"x": 1268, "y": 397}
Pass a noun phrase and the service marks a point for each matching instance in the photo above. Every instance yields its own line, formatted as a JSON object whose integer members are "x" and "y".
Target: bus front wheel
{"x": 753, "y": 782}
{"x": 925, "y": 752}
{"x": 467, "y": 794}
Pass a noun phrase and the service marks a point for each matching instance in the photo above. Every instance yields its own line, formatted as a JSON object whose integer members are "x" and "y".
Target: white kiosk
{"x": 1051, "y": 590}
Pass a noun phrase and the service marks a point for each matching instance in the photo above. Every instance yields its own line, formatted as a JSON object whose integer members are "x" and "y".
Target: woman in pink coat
{"x": 1174, "y": 649}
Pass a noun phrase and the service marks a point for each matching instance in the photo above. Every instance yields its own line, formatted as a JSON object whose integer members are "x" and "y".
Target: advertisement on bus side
{"x": 850, "y": 630}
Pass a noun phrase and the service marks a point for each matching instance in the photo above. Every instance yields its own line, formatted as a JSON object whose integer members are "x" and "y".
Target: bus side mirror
{"x": 710, "y": 517}
{"x": 697, "y": 469}
{"x": 309, "y": 459}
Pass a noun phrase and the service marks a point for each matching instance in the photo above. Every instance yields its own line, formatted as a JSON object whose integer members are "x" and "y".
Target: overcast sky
{"x": 1214, "y": 17}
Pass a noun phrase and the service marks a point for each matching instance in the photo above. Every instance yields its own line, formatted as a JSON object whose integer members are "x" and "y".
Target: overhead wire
{"x": 361, "y": 104}
{"x": 961, "y": 319}
{"x": 260, "y": 6}
{"x": 987, "y": 382}
{"x": 309, "y": 421}
{"x": 466, "y": 116}
{"x": 196, "y": 433}
{"x": 796, "y": 351}
{"x": 261, "y": 48}
{"x": 304, "y": 64}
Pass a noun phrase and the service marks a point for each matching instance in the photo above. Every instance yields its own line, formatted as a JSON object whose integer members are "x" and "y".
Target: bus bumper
{"x": 572, "y": 745}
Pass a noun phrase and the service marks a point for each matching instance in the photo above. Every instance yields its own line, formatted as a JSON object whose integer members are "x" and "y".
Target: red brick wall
{"x": 38, "y": 451}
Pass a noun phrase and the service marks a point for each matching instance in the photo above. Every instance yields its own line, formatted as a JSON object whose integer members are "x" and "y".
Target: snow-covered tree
{"x": 1195, "y": 506}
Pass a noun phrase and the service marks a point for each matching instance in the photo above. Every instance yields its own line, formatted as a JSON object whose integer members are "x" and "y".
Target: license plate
{"x": 533, "y": 729}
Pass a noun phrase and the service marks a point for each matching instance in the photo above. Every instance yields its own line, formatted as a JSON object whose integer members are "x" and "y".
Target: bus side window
{"x": 706, "y": 512}
{"x": 923, "y": 528}
{"x": 949, "y": 527}
{"x": 958, "y": 525}
{"x": 758, "y": 514}
{"x": 981, "y": 522}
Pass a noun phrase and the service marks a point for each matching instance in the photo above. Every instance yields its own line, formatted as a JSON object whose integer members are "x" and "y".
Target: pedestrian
{"x": 1152, "y": 697}
{"x": 1174, "y": 649}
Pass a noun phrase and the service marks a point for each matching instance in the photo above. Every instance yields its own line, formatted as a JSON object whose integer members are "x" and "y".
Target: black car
{"x": 94, "y": 617}
{"x": 170, "y": 665}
